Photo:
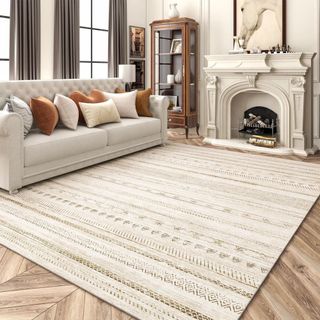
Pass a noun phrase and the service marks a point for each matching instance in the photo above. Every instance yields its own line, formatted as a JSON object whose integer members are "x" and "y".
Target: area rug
{"x": 176, "y": 232}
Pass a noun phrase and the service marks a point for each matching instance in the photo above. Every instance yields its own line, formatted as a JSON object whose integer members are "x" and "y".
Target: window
{"x": 5, "y": 39}
{"x": 94, "y": 23}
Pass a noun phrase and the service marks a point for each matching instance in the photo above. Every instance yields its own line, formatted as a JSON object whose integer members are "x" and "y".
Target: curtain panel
{"x": 25, "y": 40}
{"x": 118, "y": 40}
{"x": 66, "y": 39}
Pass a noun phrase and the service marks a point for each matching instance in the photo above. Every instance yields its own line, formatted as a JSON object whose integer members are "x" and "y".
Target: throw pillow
{"x": 125, "y": 103}
{"x": 99, "y": 113}
{"x": 68, "y": 111}
{"x": 45, "y": 114}
{"x": 17, "y": 105}
{"x": 142, "y": 102}
{"x": 95, "y": 96}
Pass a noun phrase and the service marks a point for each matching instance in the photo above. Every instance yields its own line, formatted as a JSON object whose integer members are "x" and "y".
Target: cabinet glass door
{"x": 168, "y": 73}
{"x": 192, "y": 69}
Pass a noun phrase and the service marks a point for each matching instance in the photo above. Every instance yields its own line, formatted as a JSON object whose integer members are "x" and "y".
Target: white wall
{"x": 216, "y": 28}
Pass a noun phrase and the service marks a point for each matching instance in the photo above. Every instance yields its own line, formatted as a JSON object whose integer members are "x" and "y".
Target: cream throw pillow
{"x": 68, "y": 111}
{"x": 99, "y": 113}
{"x": 125, "y": 103}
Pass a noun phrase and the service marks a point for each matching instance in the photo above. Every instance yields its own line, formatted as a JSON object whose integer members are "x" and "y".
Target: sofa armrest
{"x": 11, "y": 151}
{"x": 159, "y": 108}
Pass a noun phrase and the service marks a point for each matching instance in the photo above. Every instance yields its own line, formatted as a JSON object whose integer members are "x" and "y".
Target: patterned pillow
{"x": 17, "y": 105}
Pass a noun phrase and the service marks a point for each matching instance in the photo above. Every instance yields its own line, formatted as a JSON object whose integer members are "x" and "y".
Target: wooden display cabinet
{"x": 174, "y": 51}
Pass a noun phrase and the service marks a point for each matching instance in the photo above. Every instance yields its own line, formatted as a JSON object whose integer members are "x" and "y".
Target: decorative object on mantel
{"x": 174, "y": 50}
{"x": 237, "y": 46}
{"x": 178, "y": 242}
{"x": 261, "y": 23}
{"x": 173, "y": 11}
{"x": 285, "y": 78}
{"x": 178, "y": 77}
{"x": 257, "y": 50}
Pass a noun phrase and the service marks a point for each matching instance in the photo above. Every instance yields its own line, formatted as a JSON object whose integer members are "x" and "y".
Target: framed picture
{"x": 260, "y": 23}
{"x": 176, "y": 46}
{"x": 140, "y": 83}
{"x": 137, "y": 42}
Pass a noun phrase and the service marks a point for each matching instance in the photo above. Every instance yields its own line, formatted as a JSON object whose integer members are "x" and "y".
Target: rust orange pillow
{"x": 142, "y": 102}
{"x": 45, "y": 114}
{"x": 95, "y": 96}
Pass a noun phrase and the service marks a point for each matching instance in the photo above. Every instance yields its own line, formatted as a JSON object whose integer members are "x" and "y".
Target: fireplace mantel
{"x": 289, "y": 63}
{"x": 286, "y": 77}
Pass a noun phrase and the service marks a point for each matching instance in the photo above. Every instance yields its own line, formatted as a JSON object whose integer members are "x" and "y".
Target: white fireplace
{"x": 280, "y": 82}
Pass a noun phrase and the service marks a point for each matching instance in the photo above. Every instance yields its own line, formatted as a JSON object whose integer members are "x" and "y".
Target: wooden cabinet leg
{"x": 198, "y": 127}
{"x": 187, "y": 132}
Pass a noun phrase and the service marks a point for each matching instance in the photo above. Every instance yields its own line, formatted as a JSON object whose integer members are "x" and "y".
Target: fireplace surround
{"x": 282, "y": 82}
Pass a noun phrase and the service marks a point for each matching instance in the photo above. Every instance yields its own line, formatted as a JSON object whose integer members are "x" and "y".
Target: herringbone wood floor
{"x": 291, "y": 291}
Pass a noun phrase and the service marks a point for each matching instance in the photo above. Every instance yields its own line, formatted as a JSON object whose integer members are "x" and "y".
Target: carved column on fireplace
{"x": 297, "y": 96}
{"x": 212, "y": 86}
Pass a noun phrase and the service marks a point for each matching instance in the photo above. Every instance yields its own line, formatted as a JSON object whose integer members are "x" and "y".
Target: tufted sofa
{"x": 39, "y": 157}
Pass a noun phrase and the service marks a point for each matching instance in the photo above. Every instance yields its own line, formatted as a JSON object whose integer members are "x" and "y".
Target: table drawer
{"x": 176, "y": 121}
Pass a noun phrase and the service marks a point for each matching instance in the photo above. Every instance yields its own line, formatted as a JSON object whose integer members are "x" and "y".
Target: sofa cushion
{"x": 131, "y": 129}
{"x": 63, "y": 143}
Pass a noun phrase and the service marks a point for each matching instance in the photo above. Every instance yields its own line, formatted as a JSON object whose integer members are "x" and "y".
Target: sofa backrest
{"x": 28, "y": 89}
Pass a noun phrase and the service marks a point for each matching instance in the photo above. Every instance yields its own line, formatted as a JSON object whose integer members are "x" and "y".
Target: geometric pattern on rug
{"x": 173, "y": 232}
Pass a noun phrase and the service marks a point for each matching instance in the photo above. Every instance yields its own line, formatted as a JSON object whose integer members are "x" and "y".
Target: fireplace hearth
{"x": 259, "y": 121}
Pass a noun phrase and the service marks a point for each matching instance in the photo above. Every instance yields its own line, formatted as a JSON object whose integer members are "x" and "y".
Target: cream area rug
{"x": 175, "y": 232}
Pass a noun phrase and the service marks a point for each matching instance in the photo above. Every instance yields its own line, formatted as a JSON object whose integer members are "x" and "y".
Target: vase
{"x": 178, "y": 77}
{"x": 173, "y": 11}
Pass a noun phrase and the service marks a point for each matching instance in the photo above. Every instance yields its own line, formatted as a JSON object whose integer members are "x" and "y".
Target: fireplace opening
{"x": 255, "y": 119}
{"x": 260, "y": 121}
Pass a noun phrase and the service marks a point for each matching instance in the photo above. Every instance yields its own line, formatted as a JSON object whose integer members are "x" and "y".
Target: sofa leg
{"x": 13, "y": 192}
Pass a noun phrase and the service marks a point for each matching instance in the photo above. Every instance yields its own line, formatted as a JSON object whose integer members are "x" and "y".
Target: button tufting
{"x": 26, "y": 90}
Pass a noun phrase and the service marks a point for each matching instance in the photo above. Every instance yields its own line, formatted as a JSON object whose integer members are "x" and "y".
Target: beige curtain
{"x": 25, "y": 38}
{"x": 118, "y": 36}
